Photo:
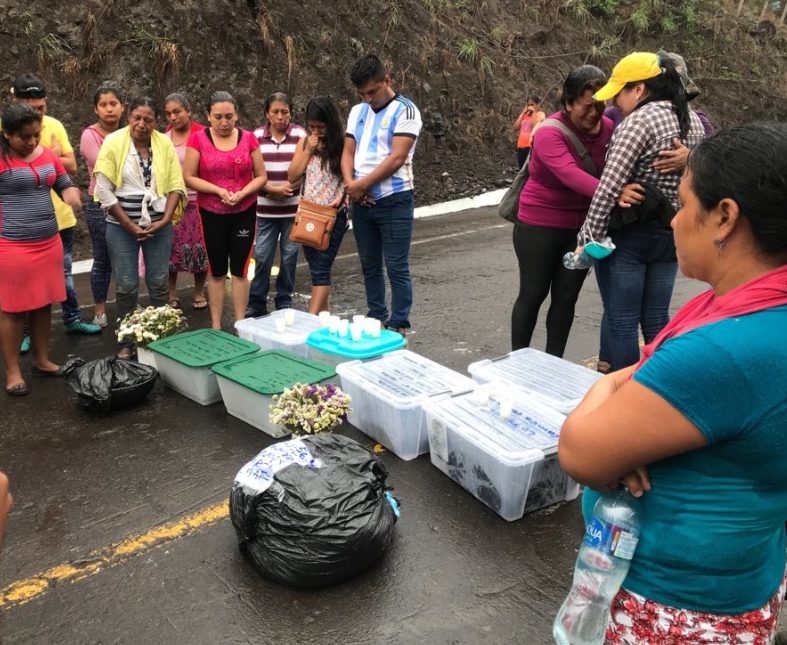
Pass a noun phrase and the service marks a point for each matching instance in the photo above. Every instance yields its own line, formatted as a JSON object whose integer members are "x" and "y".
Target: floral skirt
{"x": 638, "y": 621}
{"x": 188, "y": 253}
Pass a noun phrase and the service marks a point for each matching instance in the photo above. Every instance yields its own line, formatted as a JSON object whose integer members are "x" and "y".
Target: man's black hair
{"x": 367, "y": 68}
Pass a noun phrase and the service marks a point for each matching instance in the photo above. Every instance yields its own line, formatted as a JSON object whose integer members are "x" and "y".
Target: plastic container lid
{"x": 531, "y": 426}
{"x": 367, "y": 347}
{"x": 556, "y": 381}
{"x": 405, "y": 377}
{"x": 203, "y": 347}
{"x": 271, "y": 372}
{"x": 265, "y": 326}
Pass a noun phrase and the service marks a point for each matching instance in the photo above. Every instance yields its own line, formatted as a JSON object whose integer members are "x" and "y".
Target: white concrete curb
{"x": 491, "y": 198}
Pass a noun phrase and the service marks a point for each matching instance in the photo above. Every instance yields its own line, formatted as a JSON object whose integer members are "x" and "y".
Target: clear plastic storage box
{"x": 332, "y": 349}
{"x": 556, "y": 382}
{"x": 508, "y": 462}
{"x": 388, "y": 394}
{"x": 185, "y": 360}
{"x": 248, "y": 384}
{"x": 293, "y": 339}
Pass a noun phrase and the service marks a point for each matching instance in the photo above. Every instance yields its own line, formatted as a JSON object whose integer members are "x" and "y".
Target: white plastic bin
{"x": 248, "y": 384}
{"x": 185, "y": 360}
{"x": 388, "y": 394}
{"x": 293, "y": 339}
{"x": 510, "y": 464}
{"x": 556, "y": 382}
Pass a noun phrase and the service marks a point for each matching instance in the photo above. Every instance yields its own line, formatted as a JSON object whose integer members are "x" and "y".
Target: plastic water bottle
{"x": 574, "y": 260}
{"x": 604, "y": 558}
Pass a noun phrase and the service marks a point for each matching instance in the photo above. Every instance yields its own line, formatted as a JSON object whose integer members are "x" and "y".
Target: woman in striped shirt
{"x": 140, "y": 186}
{"x": 31, "y": 253}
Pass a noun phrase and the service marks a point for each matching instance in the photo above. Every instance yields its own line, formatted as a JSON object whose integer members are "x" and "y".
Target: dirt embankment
{"x": 468, "y": 64}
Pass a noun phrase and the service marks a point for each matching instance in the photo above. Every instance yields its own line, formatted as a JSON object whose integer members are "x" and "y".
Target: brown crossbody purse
{"x": 313, "y": 225}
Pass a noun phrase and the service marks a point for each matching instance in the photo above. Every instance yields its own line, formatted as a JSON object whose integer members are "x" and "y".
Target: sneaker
{"x": 100, "y": 320}
{"x": 81, "y": 327}
{"x": 25, "y": 345}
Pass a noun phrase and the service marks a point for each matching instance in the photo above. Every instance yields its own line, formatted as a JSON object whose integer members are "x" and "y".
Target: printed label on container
{"x": 258, "y": 474}
{"x": 438, "y": 439}
{"x": 611, "y": 539}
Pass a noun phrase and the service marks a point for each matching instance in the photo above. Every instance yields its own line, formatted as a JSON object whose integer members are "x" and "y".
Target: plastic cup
{"x": 325, "y": 318}
{"x": 359, "y": 320}
{"x": 289, "y": 317}
{"x": 356, "y": 329}
{"x": 333, "y": 324}
{"x": 281, "y": 324}
{"x": 373, "y": 327}
{"x": 344, "y": 328}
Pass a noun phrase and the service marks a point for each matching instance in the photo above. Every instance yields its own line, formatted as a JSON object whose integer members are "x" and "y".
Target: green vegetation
{"x": 664, "y": 16}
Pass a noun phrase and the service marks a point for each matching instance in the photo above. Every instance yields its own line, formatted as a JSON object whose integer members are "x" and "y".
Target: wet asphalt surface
{"x": 455, "y": 574}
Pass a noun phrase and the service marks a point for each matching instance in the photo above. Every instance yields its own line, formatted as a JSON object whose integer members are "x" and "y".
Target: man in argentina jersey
{"x": 377, "y": 165}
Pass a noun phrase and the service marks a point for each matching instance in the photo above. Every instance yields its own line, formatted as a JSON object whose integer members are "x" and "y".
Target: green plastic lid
{"x": 272, "y": 371}
{"x": 203, "y": 347}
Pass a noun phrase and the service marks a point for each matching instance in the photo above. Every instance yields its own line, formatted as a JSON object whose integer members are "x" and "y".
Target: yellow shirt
{"x": 51, "y": 126}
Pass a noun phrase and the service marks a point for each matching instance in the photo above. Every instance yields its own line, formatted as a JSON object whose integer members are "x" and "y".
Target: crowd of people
{"x": 198, "y": 199}
{"x": 694, "y": 425}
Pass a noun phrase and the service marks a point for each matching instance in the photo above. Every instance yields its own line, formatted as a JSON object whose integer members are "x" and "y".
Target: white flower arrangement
{"x": 310, "y": 409}
{"x": 143, "y": 326}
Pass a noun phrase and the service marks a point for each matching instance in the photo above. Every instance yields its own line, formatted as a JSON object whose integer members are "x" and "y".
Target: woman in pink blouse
{"x": 224, "y": 165}
{"x": 319, "y": 158}
{"x": 108, "y": 106}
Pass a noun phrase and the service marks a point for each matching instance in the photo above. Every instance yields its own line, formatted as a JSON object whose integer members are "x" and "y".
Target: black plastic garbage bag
{"x": 313, "y": 511}
{"x": 110, "y": 384}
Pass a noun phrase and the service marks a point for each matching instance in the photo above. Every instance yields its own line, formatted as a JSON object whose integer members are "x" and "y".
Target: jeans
{"x": 321, "y": 262}
{"x": 636, "y": 284}
{"x": 521, "y": 157}
{"x": 383, "y": 233}
{"x": 270, "y": 231}
{"x": 540, "y": 251}
{"x": 101, "y": 273}
{"x": 124, "y": 254}
{"x": 70, "y": 305}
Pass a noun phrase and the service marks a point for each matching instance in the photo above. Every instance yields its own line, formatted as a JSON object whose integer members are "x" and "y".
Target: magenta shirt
{"x": 230, "y": 170}
{"x": 559, "y": 191}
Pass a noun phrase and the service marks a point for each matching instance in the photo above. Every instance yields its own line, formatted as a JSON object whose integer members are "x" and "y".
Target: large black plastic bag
{"x": 110, "y": 384}
{"x": 313, "y": 511}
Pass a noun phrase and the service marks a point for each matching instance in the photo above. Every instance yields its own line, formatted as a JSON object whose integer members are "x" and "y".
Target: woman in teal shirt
{"x": 698, "y": 429}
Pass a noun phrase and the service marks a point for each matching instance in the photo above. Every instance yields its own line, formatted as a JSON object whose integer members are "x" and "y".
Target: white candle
{"x": 344, "y": 328}
{"x": 289, "y": 317}
{"x": 333, "y": 324}
{"x": 373, "y": 327}
{"x": 325, "y": 318}
{"x": 281, "y": 324}
{"x": 356, "y": 330}
{"x": 506, "y": 407}
{"x": 359, "y": 320}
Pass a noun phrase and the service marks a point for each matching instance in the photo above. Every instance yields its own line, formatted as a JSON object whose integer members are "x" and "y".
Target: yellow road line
{"x": 23, "y": 591}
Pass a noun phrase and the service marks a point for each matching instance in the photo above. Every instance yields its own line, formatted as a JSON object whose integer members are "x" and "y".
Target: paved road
{"x": 119, "y": 534}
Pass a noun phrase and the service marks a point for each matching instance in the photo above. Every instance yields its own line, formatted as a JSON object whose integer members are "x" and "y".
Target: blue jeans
{"x": 124, "y": 255}
{"x": 70, "y": 305}
{"x": 101, "y": 273}
{"x": 270, "y": 231}
{"x": 321, "y": 262}
{"x": 383, "y": 233}
{"x": 636, "y": 284}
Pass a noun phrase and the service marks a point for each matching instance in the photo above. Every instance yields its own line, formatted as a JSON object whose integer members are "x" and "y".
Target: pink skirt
{"x": 31, "y": 274}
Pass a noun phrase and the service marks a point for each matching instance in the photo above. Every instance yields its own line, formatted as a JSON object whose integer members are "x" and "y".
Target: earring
{"x": 719, "y": 245}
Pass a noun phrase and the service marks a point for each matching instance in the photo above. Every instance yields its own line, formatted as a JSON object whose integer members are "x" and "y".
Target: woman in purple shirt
{"x": 552, "y": 209}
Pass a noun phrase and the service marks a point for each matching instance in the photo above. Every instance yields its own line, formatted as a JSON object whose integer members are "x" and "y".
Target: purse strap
{"x": 582, "y": 151}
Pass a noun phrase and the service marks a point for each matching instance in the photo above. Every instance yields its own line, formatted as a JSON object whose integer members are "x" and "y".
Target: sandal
{"x": 174, "y": 303}
{"x": 199, "y": 303}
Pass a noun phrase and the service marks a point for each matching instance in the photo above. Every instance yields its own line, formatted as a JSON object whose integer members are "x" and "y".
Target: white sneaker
{"x": 100, "y": 320}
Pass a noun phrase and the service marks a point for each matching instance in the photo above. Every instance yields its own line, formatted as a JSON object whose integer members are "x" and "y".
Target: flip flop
{"x": 20, "y": 389}
{"x": 174, "y": 303}
{"x": 199, "y": 303}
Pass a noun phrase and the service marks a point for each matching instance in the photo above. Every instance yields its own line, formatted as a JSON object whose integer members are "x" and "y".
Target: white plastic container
{"x": 248, "y": 384}
{"x": 293, "y": 339}
{"x": 510, "y": 464}
{"x": 146, "y": 357}
{"x": 185, "y": 361}
{"x": 388, "y": 394}
{"x": 556, "y": 382}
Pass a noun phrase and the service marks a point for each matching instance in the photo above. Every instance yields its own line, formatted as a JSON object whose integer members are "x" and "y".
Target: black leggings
{"x": 540, "y": 252}
{"x": 229, "y": 240}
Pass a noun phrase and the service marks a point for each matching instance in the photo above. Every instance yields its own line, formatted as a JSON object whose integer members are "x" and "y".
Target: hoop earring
{"x": 720, "y": 246}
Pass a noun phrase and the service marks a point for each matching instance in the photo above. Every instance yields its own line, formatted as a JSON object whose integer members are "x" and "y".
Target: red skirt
{"x": 31, "y": 274}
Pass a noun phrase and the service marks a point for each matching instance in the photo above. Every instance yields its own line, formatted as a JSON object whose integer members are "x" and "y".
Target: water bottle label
{"x": 611, "y": 539}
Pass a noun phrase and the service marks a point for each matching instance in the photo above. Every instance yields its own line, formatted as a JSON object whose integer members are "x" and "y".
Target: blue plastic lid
{"x": 346, "y": 347}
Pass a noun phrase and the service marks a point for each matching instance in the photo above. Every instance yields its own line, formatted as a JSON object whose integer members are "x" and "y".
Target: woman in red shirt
{"x": 224, "y": 165}
{"x": 31, "y": 253}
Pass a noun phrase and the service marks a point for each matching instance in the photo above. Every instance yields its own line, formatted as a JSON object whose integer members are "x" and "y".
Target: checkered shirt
{"x": 634, "y": 148}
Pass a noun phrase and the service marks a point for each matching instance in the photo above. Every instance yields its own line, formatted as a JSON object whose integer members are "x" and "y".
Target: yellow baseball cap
{"x": 639, "y": 66}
